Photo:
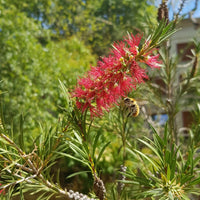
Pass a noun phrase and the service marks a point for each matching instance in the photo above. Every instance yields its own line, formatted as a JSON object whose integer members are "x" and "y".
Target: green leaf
{"x": 158, "y": 141}
{"x": 195, "y": 181}
{"x": 185, "y": 178}
{"x": 65, "y": 93}
{"x": 145, "y": 157}
{"x": 77, "y": 150}
{"x": 77, "y": 136}
{"x": 168, "y": 173}
{"x": 185, "y": 197}
{"x": 170, "y": 195}
{"x": 3, "y": 140}
{"x": 74, "y": 158}
{"x": 76, "y": 173}
{"x": 21, "y": 132}
{"x": 152, "y": 128}
{"x": 21, "y": 192}
{"x": 162, "y": 32}
{"x": 101, "y": 151}
{"x": 166, "y": 134}
{"x": 153, "y": 149}
{"x": 95, "y": 142}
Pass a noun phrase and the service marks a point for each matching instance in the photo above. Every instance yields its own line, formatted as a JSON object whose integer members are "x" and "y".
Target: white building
{"x": 181, "y": 43}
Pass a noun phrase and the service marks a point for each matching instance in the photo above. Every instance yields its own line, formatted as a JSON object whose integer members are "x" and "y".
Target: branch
{"x": 19, "y": 181}
{"x": 180, "y": 9}
{"x": 35, "y": 173}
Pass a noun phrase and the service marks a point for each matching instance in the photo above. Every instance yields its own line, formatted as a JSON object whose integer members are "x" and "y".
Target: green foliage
{"x": 30, "y": 70}
{"x": 97, "y": 22}
{"x": 113, "y": 19}
{"x": 37, "y": 163}
{"x": 165, "y": 173}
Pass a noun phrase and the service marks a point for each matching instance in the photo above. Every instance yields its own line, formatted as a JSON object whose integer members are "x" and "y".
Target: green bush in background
{"x": 31, "y": 68}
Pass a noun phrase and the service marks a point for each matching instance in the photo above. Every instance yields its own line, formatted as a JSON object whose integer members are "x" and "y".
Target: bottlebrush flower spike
{"x": 114, "y": 76}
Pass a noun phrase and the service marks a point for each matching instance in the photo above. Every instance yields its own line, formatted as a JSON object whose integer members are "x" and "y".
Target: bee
{"x": 131, "y": 107}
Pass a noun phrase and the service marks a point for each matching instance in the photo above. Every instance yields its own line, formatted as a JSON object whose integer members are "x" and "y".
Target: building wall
{"x": 186, "y": 33}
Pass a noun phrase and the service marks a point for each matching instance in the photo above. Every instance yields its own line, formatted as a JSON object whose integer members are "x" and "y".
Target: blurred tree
{"x": 30, "y": 69}
{"x": 115, "y": 18}
{"x": 97, "y": 22}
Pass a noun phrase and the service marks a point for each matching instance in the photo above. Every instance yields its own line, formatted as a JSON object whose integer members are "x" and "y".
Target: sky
{"x": 188, "y": 6}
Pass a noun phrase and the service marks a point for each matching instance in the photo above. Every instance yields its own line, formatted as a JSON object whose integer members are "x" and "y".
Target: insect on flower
{"x": 131, "y": 107}
{"x": 115, "y": 76}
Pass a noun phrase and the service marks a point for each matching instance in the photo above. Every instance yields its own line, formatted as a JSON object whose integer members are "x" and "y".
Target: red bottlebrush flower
{"x": 152, "y": 61}
{"x": 114, "y": 76}
{"x": 2, "y": 191}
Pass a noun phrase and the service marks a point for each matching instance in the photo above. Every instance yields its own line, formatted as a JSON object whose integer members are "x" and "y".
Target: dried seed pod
{"x": 99, "y": 188}
{"x": 120, "y": 185}
{"x": 163, "y": 12}
{"x": 78, "y": 196}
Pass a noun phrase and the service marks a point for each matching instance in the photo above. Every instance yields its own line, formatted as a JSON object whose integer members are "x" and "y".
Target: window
{"x": 184, "y": 50}
{"x": 187, "y": 119}
{"x": 161, "y": 119}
